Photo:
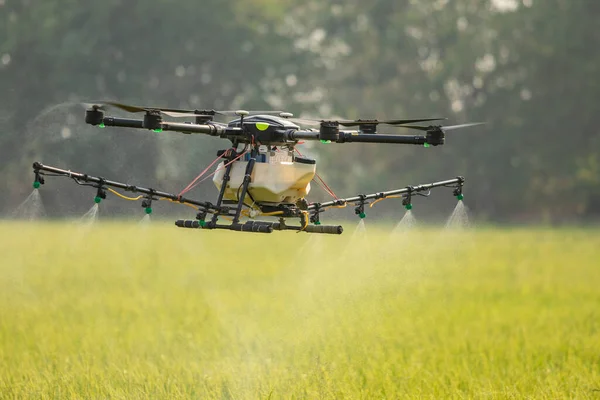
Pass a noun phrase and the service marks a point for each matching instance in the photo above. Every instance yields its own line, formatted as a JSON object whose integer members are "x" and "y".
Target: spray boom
{"x": 306, "y": 212}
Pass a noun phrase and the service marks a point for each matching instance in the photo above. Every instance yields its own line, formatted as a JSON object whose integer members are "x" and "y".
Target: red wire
{"x": 324, "y": 188}
{"x": 327, "y": 187}
{"x": 322, "y": 183}
{"x": 219, "y": 169}
{"x": 190, "y": 186}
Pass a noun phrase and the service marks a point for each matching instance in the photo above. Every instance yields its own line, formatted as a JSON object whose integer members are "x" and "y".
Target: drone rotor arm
{"x": 208, "y": 129}
{"x": 294, "y": 135}
{"x": 122, "y": 122}
{"x": 353, "y": 137}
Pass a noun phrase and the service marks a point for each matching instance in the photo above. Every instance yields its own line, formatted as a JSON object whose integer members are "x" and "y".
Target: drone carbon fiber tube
{"x": 262, "y": 227}
{"x": 356, "y": 137}
{"x": 123, "y": 122}
{"x": 303, "y": 135}
{"x": 249, "y": 226}
{"x": 381, "y": 195}
{"x": 330, "y": 229}
{"x": 188, "y": 223}
{"x": 212, "y": 130}
{"x": 130, "y": 188}
{"x": 350, "y": 137}
{"x": 257, "y": 228}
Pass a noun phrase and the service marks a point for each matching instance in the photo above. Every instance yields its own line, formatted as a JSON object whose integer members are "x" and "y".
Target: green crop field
{"x": 125, "y": 312}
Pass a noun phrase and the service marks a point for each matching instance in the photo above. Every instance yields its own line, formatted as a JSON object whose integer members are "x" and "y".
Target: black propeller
{"x": 361, "y": 122}
{"x": 174, "y": 112}
{"x": 232, "y": 113}
{"x": 442, "y": 128}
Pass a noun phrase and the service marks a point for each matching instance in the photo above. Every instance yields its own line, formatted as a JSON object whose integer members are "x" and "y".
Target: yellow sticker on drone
{"x": 262, "y": 126}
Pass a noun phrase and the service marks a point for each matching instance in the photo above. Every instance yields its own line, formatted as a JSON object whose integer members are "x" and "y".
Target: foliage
{"x": 525, "y": 67}
{"x": 125, "y": 312}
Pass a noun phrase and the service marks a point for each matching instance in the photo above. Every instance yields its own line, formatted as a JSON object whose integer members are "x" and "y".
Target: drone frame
{"x": 252, "y": 135}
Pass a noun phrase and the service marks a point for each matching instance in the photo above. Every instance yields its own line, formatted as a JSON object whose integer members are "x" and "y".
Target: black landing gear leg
{"x": 226, "y": 178}
{"x": 246, "y": 182}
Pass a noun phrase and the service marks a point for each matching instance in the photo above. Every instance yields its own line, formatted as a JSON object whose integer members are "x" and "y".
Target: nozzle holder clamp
{"x": 407, "y": 200}
{"x": 100, "y": 192}
{"x": 147, "y": 202}
{"x": 39, "y": 179}
{"x": 314, "y": 218}
{"x": 360, "y": 208}
{"x": 458, "y": 190}
{"x": 201, "y": 216}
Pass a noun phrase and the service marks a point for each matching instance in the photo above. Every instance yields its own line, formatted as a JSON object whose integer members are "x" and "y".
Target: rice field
{"x": 125, "y": 311}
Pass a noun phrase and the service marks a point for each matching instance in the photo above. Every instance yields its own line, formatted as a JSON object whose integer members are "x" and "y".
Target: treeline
{"x": 527, "y": 68}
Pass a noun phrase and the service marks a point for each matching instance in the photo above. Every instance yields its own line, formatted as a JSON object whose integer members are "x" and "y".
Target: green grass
{"x": 124, "y": 312}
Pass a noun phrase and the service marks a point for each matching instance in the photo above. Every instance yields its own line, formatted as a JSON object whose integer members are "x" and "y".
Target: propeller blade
{"x": 126, "y": 107}
{"x": 453, "y": 127}
{"x": 443, "y": 128}
{"x": 358, "y": 122}
{"x": 421, "y": 128}
{"x": 174, "y": 112}
{"x": 387, "y": 122}
{"x": 253, "y": 112}
{"x": 102, "y": 105}
{"x": 190, "y": 114}
{"x": 306, "y": 121}
{"x": 195, "y": 113}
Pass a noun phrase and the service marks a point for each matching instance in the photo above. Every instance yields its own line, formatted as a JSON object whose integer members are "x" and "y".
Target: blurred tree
{"x": 217, "y": 54}
{"x": 525, "y": 67}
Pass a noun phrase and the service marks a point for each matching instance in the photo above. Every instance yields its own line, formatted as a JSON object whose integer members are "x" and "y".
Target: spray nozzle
{"x": 39, "y": 179}
{"x": 407, "y": 200}
{"x": 458, "y": 193}
{"x": 147, "y": 206}
{"x": 201, "y": 216}
{"x": 360, "y": 208}
{"x": 100, "y": 194}
{"x": 147, "y": 202}
{"x": 314, "y": 218}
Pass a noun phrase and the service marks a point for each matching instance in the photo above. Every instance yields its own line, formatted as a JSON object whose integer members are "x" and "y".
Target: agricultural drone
{"x": 262, "y": 173}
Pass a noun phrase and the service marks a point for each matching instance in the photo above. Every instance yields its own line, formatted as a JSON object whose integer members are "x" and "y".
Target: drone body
{"x": 279, "y": 175}
{"x": 262, "y": 173}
